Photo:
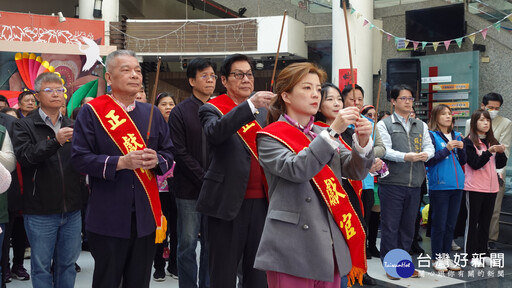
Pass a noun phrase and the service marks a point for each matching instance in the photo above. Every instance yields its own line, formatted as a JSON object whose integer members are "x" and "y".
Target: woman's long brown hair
{"x": 473, "y": 131}
{"x": 434, "y": 114}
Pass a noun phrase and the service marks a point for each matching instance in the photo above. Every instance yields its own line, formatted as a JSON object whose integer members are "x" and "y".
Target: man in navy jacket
{"x": 119, "y": 219}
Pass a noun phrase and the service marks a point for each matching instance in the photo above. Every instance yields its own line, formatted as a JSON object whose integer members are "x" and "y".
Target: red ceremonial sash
{"x": 121, "y": 129}
{"x": 357, "y": 185}
{"x": 334, "y": 196}
{"x": 247, "y": 133}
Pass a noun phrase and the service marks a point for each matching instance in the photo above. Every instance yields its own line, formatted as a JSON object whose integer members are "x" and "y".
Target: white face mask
{"x": 493, "y": 113}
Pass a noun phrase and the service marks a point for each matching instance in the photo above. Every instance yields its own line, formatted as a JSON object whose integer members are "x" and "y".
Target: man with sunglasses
{"x": 408, "y": 146}
{"x": 52, "y": 198}
{"x": 233, "y": 195}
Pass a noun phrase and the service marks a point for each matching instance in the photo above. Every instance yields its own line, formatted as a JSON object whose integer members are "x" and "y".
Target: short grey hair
{"x": 46, "y": 77}
{"x": 117, "y": 53}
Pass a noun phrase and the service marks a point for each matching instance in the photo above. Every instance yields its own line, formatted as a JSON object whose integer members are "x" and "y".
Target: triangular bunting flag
{"x": 497, "y": 26}
{"x": 359, "y": 15}
{"x": 371, "y": 26}
{"x": 510, "y": 18}
{"x": 423, "y": 44}
{"x": 406, "y": 43}
{"x": 459, "y": 41}
{"x": 352, "y": 10}
{"x": 447, "y": 44}
{"x": 396, "y": 41}
{"x": 435, "y": 44}
{"x": 389, "y": 36}
{"x": 415, "y": 44}
{"x": 365, "y": 22}
{"x": 472, "y": 38}
{"x": 484, "y": 33}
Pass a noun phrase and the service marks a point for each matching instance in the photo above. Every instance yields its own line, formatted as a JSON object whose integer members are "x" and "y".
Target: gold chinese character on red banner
{"x": 346, "y": 223}
{"x": 333, "y": 192}
{"x": 247, "y": 127}
{"x": 115, "y": 122}
{"x": 147, "y": 172}
{"x": 130, "y": 143}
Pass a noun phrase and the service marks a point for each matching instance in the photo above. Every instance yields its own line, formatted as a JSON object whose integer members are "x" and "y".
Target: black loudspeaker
{"x": 403, "y": 71}
{"x": 479, "y": 47}
{"x": 346, "y": 1}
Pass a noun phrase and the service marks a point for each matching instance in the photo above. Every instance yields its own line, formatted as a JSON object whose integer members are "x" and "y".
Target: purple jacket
{"x": 115, "y": 195}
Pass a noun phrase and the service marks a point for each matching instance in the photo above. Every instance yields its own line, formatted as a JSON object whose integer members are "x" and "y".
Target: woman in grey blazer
{"x": 302, "y": 243}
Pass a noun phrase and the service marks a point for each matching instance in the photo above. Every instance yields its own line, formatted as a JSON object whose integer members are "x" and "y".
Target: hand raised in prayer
{"x": 145, "y": 159}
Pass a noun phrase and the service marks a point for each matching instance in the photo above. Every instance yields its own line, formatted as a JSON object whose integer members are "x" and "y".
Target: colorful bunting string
{"x": 472, "y": 38}
{"x": 447, "y": 44}
{"x": 484, "y": 32}
{"x": 458, "y": 41}
{"x": 435, "y": 44}
{"x": 497, "y": 26}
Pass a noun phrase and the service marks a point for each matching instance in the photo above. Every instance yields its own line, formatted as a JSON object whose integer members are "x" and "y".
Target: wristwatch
{"x": 332, "y": 133}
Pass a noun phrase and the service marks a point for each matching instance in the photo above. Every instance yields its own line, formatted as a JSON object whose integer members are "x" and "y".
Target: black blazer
{"x": 226, "y": 179}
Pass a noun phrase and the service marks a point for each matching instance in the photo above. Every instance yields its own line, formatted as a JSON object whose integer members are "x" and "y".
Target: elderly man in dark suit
{"x": 123, "y": 220}
{"x": 233, "y": 195}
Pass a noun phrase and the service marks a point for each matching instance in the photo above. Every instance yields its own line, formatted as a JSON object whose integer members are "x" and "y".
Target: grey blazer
{"x": 300, "y": 234}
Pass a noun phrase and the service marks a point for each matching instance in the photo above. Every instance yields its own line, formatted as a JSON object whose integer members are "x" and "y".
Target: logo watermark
{"x": 398, "y": 263}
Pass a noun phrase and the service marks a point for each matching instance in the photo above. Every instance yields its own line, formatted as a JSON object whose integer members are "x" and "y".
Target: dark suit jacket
{"x": 115, "y": 195}
{"x": 226, "y": 179}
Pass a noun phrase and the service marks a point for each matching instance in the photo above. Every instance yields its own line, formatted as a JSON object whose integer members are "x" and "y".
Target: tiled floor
{"x": 375, "y": 269}
{"x": 84, "y": 278}
{"x": 432, "y": 279}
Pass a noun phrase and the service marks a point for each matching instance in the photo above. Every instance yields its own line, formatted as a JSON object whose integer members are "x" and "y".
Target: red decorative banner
{"x": 345, "y": 79}
{"x": 47, "y": 29}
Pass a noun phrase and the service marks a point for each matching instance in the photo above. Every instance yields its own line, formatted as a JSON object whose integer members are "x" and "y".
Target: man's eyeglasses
{"x": 207, "y": 77}
{"x": 405, "y": 98}
{"x": 240, "y": 75}
{"x": 56, "y": 90}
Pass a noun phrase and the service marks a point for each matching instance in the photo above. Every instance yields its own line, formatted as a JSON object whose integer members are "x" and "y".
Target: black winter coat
{"x": 50, "y": 183}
